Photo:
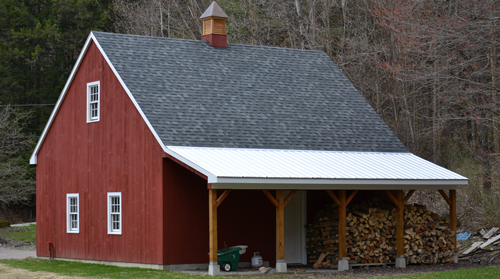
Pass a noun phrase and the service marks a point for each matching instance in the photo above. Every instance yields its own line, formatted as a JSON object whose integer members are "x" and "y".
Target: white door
{"x": 295, "y": 233}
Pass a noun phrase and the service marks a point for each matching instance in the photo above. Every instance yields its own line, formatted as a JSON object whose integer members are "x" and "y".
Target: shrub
{"x": 4, "y": 224}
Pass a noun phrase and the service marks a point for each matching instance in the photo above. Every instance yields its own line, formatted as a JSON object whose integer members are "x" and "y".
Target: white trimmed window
{"x": 93, "y": 101}
{"x": 72, "y": 213}
{"x": 115, "y": 213}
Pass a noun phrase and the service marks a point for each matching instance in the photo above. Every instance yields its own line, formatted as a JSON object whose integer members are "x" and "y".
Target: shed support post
{"x": 452, "y": 202}
{"x": 213, "y": 267}
{"x": 400, "y": 207}
{"x": 342, "y": 201}
{"x": 453, "y": 222}
{"x": 280, "y": 232}
{"x": 343, "y": 262}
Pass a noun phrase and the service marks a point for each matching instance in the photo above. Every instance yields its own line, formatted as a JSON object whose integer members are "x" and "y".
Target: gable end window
{"x": 73, "y": 213}
{"x": 115, "y": 213}
{"x": 93, "y": 101}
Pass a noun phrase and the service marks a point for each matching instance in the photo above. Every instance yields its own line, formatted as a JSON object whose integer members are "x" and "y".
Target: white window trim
{"x": 89, "y": 116}
{"x": 68, "y": 213}
{"x": 110, "y": 224}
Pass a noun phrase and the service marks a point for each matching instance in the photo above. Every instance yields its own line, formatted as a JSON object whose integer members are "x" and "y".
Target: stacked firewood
{"x": 371, "y": 235}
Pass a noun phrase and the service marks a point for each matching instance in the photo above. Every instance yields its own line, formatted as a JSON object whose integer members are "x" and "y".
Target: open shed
{"x": 346, "y": 173}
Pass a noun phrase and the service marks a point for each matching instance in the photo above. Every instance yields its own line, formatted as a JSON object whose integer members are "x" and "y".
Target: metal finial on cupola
{"x": 214, "y": 26}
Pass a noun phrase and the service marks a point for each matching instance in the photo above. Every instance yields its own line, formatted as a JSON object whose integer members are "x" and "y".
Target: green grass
{"x": 106, "y": 271}
{"x": 484, "y": 272}
{"x": 93, "y": 270}
{"x": 24, "y": 234}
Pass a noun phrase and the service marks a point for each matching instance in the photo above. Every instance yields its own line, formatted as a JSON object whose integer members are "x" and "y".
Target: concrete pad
{"x": 281, "y": 267}
{"x": 343, "y": 264}
{"x": 400, "y": 262}
{"x": 213, "y": 269}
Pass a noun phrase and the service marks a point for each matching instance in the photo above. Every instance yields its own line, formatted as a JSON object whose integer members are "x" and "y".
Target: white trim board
{"x": 360, "y": 185}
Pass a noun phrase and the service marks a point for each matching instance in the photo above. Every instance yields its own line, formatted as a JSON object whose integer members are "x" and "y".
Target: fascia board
{"x": 33, "y": 158}
{"x": 340, "y": 181}
{"x": 318, "y": 184}
{"x": 339, "y": 186}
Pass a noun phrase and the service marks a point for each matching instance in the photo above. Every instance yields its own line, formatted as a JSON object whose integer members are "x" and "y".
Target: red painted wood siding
{"x": 244, "y": 218}
{"x": 247, "y": 217}
{"x": 186, "y": 215}
{"x": 116, "y": 154}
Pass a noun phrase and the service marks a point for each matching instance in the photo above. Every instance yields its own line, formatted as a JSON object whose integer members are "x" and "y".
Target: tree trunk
{"x": 494, "y": 117}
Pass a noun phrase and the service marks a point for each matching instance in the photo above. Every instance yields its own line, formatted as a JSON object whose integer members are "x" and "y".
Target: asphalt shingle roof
{"x": 245, "y": 96}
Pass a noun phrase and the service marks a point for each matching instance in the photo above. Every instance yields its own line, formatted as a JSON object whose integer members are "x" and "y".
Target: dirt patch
{"x": 18, "y": 273}
{"x": 16, "y": 244}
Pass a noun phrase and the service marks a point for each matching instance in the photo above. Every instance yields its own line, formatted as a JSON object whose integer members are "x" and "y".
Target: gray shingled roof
{"x": 245, "y": 96}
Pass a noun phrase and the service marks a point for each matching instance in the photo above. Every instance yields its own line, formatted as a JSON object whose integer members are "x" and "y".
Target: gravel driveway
{"x": 18, "y": 254}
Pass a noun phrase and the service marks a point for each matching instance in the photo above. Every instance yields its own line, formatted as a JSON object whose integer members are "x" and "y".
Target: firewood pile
{"x": 371, "y": 235}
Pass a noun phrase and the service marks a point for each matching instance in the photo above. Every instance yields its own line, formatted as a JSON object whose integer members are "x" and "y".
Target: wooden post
{"x": 342, "y": 224}
{"x": 400, "y": 223}
{"x": 280, "y": 232}
{"x": 280, "y": 226}
{"x": 212, "y": 215}
{"x": 453, "y": 216}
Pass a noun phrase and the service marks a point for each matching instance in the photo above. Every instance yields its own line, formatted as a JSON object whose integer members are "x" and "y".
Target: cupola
{"x": 214, "y": 26}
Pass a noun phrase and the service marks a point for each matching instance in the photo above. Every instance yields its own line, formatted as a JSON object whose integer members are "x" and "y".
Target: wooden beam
{"x": 342, "y": 224}
{"x": 393, "y": 199}
{"x": 223, "y": 196}
{"x": 350, "y": 197}
{"x": 289, "y": 197}
{"x": 270, "y": 197}
{"x": 408, "y": 196}
{"x": 446, "y": 198}
{"x": 334, "y": 198}
{"x": 453, "y": 216}
{"x": 280, "y": 226}
{"x": 212, "y": 220}
{"x": 400, "y": 223}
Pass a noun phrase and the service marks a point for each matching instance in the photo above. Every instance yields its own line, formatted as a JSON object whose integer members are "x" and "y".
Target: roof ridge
{"x": 205, "y": 42}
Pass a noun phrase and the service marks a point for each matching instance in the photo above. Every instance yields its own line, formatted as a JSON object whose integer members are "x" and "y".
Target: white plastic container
{"x": 257, "y": 260}
{"x": 243, "y": 249}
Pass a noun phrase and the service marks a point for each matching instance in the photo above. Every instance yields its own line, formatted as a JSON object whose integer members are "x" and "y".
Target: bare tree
{"x": 16, "y": 185}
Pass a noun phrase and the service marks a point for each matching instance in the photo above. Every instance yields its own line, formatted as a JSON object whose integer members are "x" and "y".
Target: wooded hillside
{"x": 429, "y": 68}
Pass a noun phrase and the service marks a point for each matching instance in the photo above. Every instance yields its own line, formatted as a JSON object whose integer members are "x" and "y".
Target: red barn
{"x": 148, "y": 129}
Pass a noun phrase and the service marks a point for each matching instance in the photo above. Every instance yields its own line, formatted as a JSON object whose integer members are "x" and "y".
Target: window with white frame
{"x": 115, "y": 213}
{"x": 72, "y": 213}
{"x": 93, "y": 101}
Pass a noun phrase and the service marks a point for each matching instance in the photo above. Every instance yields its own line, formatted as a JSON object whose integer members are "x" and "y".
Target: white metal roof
{"x": 249, "y": 168}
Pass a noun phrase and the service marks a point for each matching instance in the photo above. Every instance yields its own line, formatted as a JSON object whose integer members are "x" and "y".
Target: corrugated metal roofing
{"x": 307, "y": 164}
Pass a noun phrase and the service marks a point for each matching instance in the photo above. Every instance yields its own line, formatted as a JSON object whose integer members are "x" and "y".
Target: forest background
{"x": 430, "y": 68}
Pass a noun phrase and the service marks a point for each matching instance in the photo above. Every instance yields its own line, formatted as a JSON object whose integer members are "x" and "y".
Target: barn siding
{"x": 116, "y": 154}
{"x": 244, "y": 218}
{"x": 186, "y": 215}
{"x": 247, "y": 217}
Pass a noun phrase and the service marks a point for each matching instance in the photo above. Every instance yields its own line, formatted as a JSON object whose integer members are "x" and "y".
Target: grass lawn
{"x": 484, "y": 272}
{"x": 93, "y": 270}
{"x": 24, "y": 234}
{"x": 105, "y": 271}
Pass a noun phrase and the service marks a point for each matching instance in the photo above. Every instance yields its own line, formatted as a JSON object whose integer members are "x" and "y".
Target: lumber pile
{"x": 371, "y": 235}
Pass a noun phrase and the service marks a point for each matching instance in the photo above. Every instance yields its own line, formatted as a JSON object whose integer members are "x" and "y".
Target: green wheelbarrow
{"x": 228, "y": 258}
